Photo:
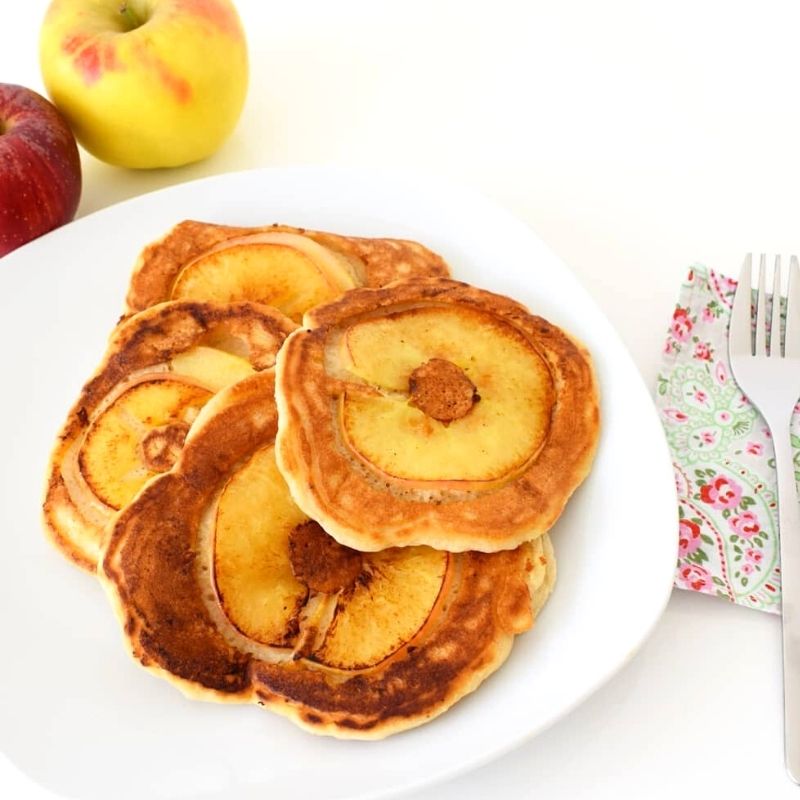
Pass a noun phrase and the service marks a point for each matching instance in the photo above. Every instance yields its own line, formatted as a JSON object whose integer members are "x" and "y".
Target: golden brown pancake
{"x": 132, "y": 416}
{"x": 431, "y": 412}
{"x": 292, "y": 269}
{"x": 225, "y": 588}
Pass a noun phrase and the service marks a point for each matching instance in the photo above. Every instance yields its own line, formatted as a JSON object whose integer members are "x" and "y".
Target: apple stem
{"x": 130, "y": 18}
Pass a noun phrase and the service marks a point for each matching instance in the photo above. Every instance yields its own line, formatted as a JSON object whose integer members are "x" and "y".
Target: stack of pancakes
{"x": 345, "y": 522}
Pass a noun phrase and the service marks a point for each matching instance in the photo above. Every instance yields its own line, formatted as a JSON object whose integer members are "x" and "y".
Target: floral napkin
{"x": 722, "y": 454}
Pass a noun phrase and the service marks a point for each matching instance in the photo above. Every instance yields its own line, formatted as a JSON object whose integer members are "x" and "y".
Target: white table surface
{"x": 635, "y": 138}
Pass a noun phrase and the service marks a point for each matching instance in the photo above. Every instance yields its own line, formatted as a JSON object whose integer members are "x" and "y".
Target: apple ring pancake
{"x": 292, "y": 269}
{"x": 129, "y": 423}
{"x": 432, "y": 412}
{"x": 226, "y": 589}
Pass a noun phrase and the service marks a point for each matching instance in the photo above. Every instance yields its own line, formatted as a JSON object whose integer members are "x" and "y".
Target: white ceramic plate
{"x": 81, "y": 718}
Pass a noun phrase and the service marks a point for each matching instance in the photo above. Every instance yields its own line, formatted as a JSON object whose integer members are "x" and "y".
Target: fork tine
{"x": 775, "y": 325}
{"x": 741, "y": 340}
{"x": 761, "y": 308}
{"x": 791, "y": 345}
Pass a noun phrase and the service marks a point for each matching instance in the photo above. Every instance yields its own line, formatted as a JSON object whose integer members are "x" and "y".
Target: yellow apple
{"x": 146, "y": 83}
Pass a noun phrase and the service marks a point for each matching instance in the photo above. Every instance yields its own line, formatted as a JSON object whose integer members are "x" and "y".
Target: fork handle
{"x": 789, "y": 519}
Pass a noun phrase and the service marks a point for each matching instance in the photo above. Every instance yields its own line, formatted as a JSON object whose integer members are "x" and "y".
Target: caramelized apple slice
{"x": 284, "y": 270}
{"x": 140, "y": 433}
{"x": 389, "y": 603}
{"x": 137, "y": 436}
{"x": 212, "y": 368}
{"x": 253, "y": 573}
{"x": 496, "y": 426}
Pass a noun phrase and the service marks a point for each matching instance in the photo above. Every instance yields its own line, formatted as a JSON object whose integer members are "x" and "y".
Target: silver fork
{"x": 770, "y": 377}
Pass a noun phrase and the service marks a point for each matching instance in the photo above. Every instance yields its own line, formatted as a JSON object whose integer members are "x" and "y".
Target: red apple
{"x": 40, "y": 169}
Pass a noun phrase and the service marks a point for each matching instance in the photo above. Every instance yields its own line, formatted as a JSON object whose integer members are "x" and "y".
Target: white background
{"x": 635, "y": 138}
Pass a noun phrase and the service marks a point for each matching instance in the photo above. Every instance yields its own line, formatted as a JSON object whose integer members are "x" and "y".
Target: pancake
{"x": 226, "y": 589}
{"x": 129, "y": 423}
{"x": 292, "y": 269}
{"x": 433, "y": 413}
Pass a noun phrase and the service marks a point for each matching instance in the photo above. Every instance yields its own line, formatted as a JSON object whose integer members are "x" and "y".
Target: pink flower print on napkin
{"x": 755, "y": 448}
{"x": 689, "y": 539}
{"x": 707, "y": 437}
{"x": 681, "y": 324}
{"x": 745, "y": 524}
{"x": 703, "y": 351}
{"x": 726, "y": 285}
{"x": 696, "y": 577}
{"x": 721, "y": 493}
{"x": 746, "y": 569}
{"x": 753, "y": 556}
